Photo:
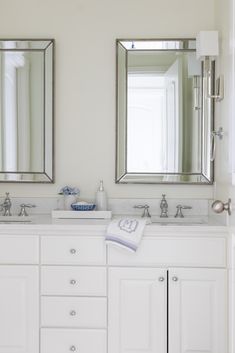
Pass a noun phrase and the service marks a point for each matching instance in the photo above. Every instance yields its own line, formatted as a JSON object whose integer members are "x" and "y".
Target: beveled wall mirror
{"x": 26, "y": 110}
{"x": 164, "y": 119}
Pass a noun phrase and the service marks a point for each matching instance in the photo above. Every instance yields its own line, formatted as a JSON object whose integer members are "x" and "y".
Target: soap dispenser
{"x": 101, "y": 198}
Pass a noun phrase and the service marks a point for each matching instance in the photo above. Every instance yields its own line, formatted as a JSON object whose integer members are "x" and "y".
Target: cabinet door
{"x": 137, "y": 310}
{"x": 197, "y": 311}
{"x": 19, "y": 322}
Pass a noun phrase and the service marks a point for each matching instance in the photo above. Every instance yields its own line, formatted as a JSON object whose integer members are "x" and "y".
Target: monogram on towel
{"x": 126, "y": 232}
{"x": 128, "y": 225}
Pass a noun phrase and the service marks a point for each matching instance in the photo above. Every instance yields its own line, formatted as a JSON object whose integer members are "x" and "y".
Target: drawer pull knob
{"x": 73, "y": 281}
{"x": 175, "y": 279}
{"x": 161, "y": 279}
{"x": 73, "y": 313}
{"x": 73, "y": 251}
{"x": 73, "y": 349}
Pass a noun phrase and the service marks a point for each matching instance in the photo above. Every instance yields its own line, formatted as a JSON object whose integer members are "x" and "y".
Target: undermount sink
{"x": 14, "y": 219}
{"x": 178, "y": 221}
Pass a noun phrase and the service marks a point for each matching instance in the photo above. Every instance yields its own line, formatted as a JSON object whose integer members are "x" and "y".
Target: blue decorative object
{"x": 83, "y": 207}
{"x": 68, "y": 190}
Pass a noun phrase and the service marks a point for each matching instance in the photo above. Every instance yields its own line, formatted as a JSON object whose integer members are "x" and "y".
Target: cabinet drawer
{"x": 73, "y": 250}
{"x": 59, "y": 280}
{"x": 173, "y": 251}
{"x": 66, "y": 341}
{"x": 19, "y": 249}
{"x": 74, "y": 312}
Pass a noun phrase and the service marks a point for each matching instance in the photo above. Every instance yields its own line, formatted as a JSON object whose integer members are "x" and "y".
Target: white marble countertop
{"x": 45, "y": 223}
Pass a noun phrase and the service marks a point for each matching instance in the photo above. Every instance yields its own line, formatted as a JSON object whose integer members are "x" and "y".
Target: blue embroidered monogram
{"x": 128, "y": 225}
{"x": 126, "y": 232}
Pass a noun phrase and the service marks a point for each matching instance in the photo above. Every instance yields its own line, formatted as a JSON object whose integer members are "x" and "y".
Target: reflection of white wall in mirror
{"x": 173, "y": 145}
{"x": 23, "y": 115}
{"x": 11, "y": 61}
{"x": 9, "y": 115}
{"x": 30, "y": 113}
{"x": 146, "y": 114}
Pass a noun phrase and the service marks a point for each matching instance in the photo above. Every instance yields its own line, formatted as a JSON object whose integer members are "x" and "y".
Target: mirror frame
{"x": 47, "y": 47}
{"x": 206, "y": 177}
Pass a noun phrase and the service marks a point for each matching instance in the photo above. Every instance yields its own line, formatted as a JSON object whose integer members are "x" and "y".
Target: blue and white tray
{"x": 83, "y": 206}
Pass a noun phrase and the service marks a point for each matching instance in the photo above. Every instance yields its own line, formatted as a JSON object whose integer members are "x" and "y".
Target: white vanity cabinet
{"x": 63, "y": 290}
{"x": 169, "y": 306}
{"x": 197, "y": 310}
{"x": 137, "y": 310}
{"x": 19, "y": 294}
{"x": 73, "y": 294}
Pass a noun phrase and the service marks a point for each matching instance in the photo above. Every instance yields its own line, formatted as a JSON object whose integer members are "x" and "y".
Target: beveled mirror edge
{"x": 127, "y": 178}
{"x": 25, "y": 178}
{"x": 45, "y": 177}
{"x": 47, "y": 41}
{"x": 51, "y": 174}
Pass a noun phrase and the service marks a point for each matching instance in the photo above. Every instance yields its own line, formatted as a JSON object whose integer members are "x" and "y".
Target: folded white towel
{"x": 126, "y": 232}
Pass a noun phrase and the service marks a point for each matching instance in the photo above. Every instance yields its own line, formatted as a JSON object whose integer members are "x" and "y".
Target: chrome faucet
{"x": 146, "y": 213}
{"x": 164, "y": 207}
{"x": 179, "y": 213}
{"x": 23, "y": 212}
{"x": 6, "y": 205}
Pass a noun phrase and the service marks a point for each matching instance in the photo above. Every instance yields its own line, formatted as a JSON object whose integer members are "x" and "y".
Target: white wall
{"x": 85, "y": 33}
{"x": 225, "y": 115}
{"x": 223, "y": 108}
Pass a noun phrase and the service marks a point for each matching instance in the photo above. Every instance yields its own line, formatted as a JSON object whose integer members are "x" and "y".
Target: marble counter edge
{"x": 46, "y": 226}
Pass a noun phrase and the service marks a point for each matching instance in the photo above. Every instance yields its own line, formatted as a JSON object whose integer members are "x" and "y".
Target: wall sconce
{"x": 207, "y": 49}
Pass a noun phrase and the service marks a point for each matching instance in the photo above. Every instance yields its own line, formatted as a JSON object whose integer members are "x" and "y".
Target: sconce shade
{"x": 207, "y": 44}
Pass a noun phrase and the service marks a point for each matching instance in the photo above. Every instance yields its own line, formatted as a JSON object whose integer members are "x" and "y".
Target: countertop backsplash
{"x": 45, "y": 205}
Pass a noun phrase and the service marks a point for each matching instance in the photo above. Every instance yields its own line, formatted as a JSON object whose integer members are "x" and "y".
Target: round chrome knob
{"x": 73, "y": 313}
{"x": 161, "y": 279}
{"x": 73, "y": 251}
{"x": 72, "y": 348}
{"x": 73, "y": 281}
{"x": 220, "y": 206}
{"x": 175, "y": 279}
{"x": 217, "y": 206}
